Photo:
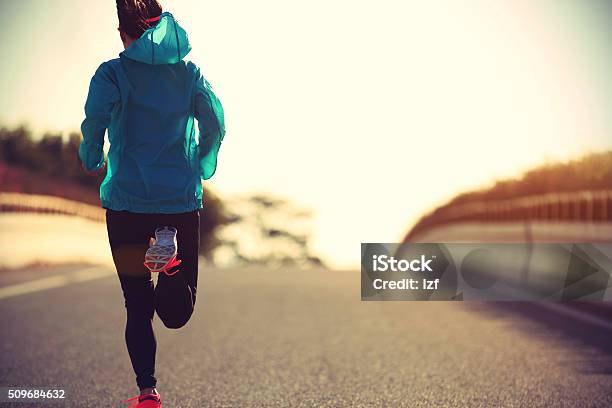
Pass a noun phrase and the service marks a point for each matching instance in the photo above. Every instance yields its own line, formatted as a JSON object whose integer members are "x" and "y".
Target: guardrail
{"x": 580, "y": 206}
{"x": 19, "y": 202}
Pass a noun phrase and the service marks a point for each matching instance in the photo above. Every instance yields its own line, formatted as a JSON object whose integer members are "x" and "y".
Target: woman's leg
{"x": 128, "y": 235}
{"x": 175, "y": 295}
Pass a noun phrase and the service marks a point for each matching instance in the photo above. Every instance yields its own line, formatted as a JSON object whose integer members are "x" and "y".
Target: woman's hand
{"x": 95, "y": 172}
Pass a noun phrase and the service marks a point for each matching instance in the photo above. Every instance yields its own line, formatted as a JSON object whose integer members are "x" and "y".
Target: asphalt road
{"x": 287, "y": 338}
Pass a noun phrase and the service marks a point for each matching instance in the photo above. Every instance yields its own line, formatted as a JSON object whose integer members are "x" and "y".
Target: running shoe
{"x": 145, "y": 401}
{"x": 161, "y": 255}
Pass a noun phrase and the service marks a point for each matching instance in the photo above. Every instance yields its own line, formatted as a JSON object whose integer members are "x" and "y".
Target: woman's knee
{"x": 140, "y": 310}
{"x": 139, "y": 297}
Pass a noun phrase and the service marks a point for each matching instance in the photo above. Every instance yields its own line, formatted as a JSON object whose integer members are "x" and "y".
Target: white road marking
{"x": 56, "y": 281}
{"x": 91, "y": 273}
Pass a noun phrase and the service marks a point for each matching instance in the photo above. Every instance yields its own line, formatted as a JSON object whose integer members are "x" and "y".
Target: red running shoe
{"x": 145, "y": 401}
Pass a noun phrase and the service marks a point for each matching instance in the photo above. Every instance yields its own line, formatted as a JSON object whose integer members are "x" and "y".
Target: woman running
{"x": 148, "y": 99}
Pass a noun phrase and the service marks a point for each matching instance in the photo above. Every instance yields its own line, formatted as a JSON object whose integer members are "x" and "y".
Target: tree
{"x": 267, "y": 230}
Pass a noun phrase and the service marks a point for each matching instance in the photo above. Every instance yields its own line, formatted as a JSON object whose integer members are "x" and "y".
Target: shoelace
{"x": 166, "y": 269}
{"x": 134, "y": 401}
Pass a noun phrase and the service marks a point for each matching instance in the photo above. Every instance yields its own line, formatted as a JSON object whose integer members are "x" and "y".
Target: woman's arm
{"x": 102, "y": 97}
{"x": 211, "y": 122}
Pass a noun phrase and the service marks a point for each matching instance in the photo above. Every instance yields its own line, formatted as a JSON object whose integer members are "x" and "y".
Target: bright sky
{"x": 368, "y": 113}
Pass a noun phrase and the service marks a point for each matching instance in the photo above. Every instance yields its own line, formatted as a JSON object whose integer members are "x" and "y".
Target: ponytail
{"x": 133, "y": 15}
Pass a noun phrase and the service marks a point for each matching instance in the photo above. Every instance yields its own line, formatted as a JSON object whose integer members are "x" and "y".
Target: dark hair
{"x": 134, "y": 13}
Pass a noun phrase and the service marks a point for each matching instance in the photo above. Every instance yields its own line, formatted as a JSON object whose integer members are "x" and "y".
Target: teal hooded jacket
{"x": 148, "y": 99}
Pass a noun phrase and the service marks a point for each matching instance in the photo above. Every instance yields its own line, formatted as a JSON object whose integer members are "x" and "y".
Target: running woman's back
{"x": 148, "y": 99}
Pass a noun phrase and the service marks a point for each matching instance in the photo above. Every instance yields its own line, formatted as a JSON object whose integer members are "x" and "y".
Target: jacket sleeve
{"x": 101, "y": 99}
{"x": 211, "y": 122}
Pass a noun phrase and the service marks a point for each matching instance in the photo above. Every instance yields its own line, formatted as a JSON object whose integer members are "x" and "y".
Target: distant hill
{"x": 47, "y": 164}
{"x": 20, "y": 180}
{"x": 591, "y": 172}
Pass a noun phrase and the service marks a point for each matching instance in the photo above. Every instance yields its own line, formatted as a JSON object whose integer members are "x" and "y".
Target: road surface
{"x": 288, "y": 338}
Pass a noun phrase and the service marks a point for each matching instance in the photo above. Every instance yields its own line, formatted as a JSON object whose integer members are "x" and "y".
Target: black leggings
{"x": 173, "y": 298}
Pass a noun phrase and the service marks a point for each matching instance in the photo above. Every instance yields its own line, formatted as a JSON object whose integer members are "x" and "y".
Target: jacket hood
{"x": 166, "y": 43}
